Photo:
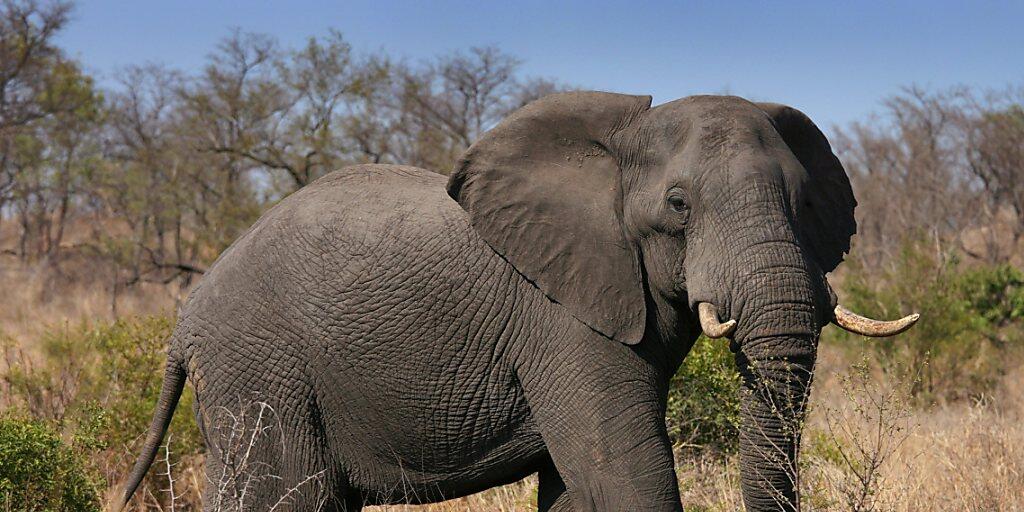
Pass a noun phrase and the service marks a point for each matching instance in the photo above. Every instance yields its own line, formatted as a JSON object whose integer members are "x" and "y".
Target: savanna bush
{"x": 101, "y": 377}
{"x": 98, "y": 384}
{"x": 40, "y": 472}
{"x": 703, "y": 401}
{"x": 971, "y": 318}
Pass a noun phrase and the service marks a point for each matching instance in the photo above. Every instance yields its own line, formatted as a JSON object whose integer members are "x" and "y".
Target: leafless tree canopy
{"x": 943, "y": 168}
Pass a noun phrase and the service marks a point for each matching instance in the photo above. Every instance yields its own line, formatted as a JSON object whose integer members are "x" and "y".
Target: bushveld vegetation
{"x": 114, "y": 201}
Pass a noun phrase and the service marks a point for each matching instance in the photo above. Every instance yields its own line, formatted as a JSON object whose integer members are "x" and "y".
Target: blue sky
{"x": 836, "y": 61}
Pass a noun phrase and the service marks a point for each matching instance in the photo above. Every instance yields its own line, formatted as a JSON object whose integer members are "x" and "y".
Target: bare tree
{"x": 166, "y": 169}
{"x": 943, "y": 168}
{"x": 269, "y": 110}
{"x": 231, "y": 102}
{"x": 38, "y": 83}
{"x": 907, "y": 169}
{"x": 994, "y": 150}
{"x": 448, "y": 104}
{"x": 859, "y": 440}
{"x": 27, "y": 59}
{"x": 152, "y": 182}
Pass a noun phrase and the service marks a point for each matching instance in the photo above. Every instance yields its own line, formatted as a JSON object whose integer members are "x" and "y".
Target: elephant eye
{"x": 677, "y": 204}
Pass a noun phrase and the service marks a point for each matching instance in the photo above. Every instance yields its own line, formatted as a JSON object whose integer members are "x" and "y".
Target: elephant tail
{"x": 174, "y": 383}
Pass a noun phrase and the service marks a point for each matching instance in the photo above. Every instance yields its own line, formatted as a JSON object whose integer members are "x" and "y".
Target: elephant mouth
{"x": 841, "y": 316}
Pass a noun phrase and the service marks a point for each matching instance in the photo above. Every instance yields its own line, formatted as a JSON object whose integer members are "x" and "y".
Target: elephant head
{"x": 717, "y": 206}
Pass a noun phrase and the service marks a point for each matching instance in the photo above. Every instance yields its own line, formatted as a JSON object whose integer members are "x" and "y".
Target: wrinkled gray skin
{"x": 418, "y": 344}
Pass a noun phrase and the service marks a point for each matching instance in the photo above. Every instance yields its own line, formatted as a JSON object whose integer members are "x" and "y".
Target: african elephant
{"x": 414, "y": 342}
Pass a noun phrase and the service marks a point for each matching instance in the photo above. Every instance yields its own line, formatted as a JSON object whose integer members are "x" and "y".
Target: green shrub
{"x": 102, "y": 381}
{"x": 996, "y": 293}
{"x": 970, "y": 321}
{"x": 38, "y": 472}
{"x": 99, "y": 383}
{"x": 703, "y": 401}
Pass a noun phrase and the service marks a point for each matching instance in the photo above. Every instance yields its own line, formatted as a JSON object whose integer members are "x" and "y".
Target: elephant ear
{"x": 825, "y": 210}
{"x": 545, "y": 191}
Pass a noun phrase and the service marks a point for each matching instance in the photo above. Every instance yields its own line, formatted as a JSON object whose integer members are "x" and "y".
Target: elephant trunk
{"x": 777, "y": 339}
{"x": 774, "y": 395}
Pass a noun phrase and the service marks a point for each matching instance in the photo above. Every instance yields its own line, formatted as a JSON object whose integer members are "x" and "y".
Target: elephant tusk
{"x": 710, "y": 324}
{"x": 869, "y": 327}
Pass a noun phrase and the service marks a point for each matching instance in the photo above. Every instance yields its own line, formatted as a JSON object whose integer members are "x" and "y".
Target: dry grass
{"x": 516, "y": 497}
{"x": 32, "y": 298}
{"x": 36, "y": 295}
{"x": 963, "y": 456}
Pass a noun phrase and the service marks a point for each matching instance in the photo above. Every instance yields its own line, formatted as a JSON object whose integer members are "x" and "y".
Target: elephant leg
{"x": 261, "y": 459}
{"x": 602, "y": 424}
{"x": 309, "y": 481}
{"x": 551, "y": 493}
{"x": 212, "y": 495}
{"x": 288, "y": 479}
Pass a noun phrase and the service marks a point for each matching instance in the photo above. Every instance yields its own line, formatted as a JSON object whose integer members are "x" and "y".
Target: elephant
{"x": 408, "y": 337}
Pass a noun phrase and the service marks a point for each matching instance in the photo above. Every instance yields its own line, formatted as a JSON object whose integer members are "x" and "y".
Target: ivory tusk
{"x": 869, "y": 327}
{"x": 710, "y": 324}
